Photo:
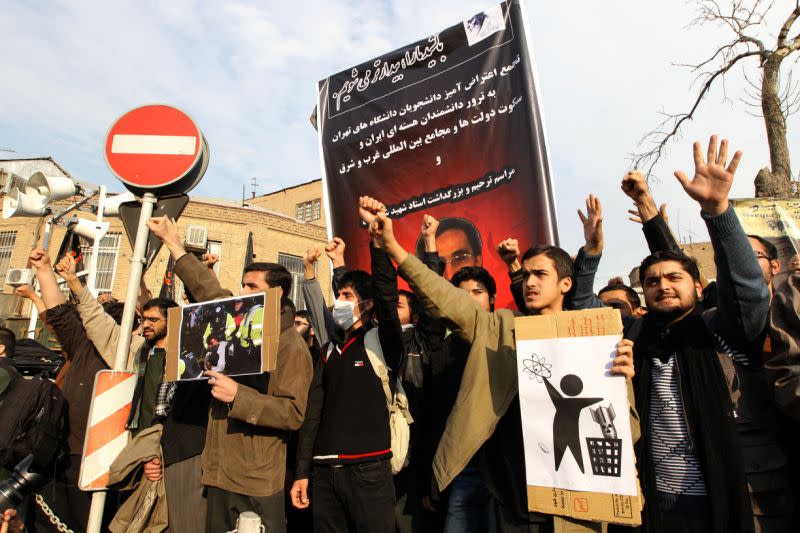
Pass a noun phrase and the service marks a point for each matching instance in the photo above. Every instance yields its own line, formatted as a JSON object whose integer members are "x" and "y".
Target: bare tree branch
{"x": 787, "y": 25}
{"x": 661, "y": 137}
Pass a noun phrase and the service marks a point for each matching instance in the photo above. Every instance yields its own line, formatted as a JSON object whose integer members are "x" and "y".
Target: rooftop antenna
{"x": 244, "y": 201}
{"x": 254, "y": 185}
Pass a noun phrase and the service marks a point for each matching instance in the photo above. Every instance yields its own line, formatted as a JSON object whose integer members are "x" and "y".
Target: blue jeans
{"x": 470, "y": 508}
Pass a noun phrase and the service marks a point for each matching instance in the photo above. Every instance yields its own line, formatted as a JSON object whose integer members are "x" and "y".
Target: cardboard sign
{"x": 575, "y": 418}
{"x": 234, "y": 336}
{"x": 776, "y": 220}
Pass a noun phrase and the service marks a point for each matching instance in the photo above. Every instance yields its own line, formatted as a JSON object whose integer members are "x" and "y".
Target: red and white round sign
{"x": 155, "y": 146}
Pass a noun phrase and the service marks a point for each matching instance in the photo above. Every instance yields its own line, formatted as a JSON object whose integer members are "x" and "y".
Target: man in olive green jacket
{"x": 489, "y": 383}
{"x": 244, "y": 460}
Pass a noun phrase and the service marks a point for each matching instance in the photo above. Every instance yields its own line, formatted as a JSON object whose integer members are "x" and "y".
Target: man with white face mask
{"x": 345, "y": 440}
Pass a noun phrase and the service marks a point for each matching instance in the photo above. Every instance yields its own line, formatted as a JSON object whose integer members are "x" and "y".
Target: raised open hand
{"x": 592, "y": 225}
{"x": 712, "y": 179}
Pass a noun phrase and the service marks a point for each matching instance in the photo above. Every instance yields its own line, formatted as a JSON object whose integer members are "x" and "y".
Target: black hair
{"x": 479, "y": 274}
{"x": 631, "y": 295}
{"x": 772, "y": 250}
{"x": 359, "y": 281}
{"x": 303, "y": 313}
{"x": 275, "y": 275}
{"x": 162, "y": 303}
{"x": 560, "y": 258}
{"x": 287, "y": 302}
{"x": 413, "y": 302}
{"x": 686, "y": 262}
{"x": 455, "y": 223}
{"x": 8, "y": 340}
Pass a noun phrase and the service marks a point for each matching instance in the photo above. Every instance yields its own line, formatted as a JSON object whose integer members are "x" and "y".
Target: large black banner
{"x": 449, "y": 126}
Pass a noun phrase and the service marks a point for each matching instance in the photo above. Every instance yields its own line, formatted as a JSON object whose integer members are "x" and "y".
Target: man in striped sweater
{"x": 690, "y": 461}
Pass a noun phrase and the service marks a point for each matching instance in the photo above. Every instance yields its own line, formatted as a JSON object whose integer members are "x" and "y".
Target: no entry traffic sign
{"x": 157, "y": 148}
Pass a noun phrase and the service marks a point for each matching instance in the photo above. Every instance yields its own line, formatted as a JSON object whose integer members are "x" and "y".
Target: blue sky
{"x": 247, "y": 73}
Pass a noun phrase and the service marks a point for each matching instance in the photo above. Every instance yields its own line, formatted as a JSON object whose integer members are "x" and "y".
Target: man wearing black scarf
{"x": 690, "y": 460}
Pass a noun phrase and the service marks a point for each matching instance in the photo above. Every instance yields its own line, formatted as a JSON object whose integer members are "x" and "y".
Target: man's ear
{"x": 775, "y": 266}
{"x": 698, "y": 288}
{"x": 479, "y": 260}
{"x": 565, "y": 284}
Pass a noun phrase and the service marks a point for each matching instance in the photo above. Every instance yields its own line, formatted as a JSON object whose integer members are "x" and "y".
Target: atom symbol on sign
{"x": 537, "y": 367}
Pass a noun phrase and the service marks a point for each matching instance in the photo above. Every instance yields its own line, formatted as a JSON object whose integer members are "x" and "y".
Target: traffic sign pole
{"x": 128, "y": 313}
{"x": 154, "y": 150}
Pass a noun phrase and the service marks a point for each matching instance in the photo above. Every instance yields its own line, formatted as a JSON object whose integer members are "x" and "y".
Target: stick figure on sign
{"x": 568, "y": 411}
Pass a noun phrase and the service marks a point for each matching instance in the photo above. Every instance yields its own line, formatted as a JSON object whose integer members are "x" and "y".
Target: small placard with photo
{"x": 234, "y": 336}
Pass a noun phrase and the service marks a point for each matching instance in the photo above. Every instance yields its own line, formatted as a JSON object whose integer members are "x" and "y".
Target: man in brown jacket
{"x": 244, "y": 460}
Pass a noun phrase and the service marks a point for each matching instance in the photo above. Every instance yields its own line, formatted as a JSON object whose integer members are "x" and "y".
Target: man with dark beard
{"x": 691, "y": 462}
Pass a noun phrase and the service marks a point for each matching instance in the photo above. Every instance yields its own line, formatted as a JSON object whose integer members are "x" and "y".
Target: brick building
{"x": 281, "y": 234}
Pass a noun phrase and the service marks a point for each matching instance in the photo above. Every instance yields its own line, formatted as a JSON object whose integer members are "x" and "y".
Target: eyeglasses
{"x": 456, "y": 259}
{"x": 762, "y": 255}
{"x": 152, "y": 319}
{"x": 300, "y": 323}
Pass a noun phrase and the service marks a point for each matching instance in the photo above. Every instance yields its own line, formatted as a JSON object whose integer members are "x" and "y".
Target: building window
{"x": 294, "y": 265}
{"x": 106, "y": 260}
{"x": 7, "y": 241}
{"x": 308, "y": 211}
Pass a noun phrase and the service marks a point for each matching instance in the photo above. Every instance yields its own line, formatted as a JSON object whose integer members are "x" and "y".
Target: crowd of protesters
{"x": 713, "y": 376}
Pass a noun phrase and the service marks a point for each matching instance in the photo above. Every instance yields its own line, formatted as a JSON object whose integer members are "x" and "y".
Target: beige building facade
{"x": 303, "y": 202}
{"x": 279, "y": 236}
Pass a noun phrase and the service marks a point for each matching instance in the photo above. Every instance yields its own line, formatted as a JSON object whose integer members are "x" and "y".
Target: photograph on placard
{"x": 221, "y": 335}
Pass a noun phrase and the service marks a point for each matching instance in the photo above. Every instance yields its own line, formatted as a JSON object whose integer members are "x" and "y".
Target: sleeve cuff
{"x": 302, "y": 472}
{"x": 724, "y": 223}
{"x": 655, "y": 221}
{"x": 586, "y": 261}
{"x": 244, "y": 405}
{"x": 54, "y": 313}
{"x": 517, "y": 276}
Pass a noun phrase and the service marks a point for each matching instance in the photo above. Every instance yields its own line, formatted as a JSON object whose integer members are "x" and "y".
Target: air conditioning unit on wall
{"x": 196, "y": 239}
{"x": 17, "y": 277}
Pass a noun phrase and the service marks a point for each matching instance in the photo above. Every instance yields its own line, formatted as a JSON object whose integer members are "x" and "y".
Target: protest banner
{"x": 449, "y": 126}
{"x": 778, "y": 221}
{"x": 579, "y": 458}
{"x": 234, "y": 336}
